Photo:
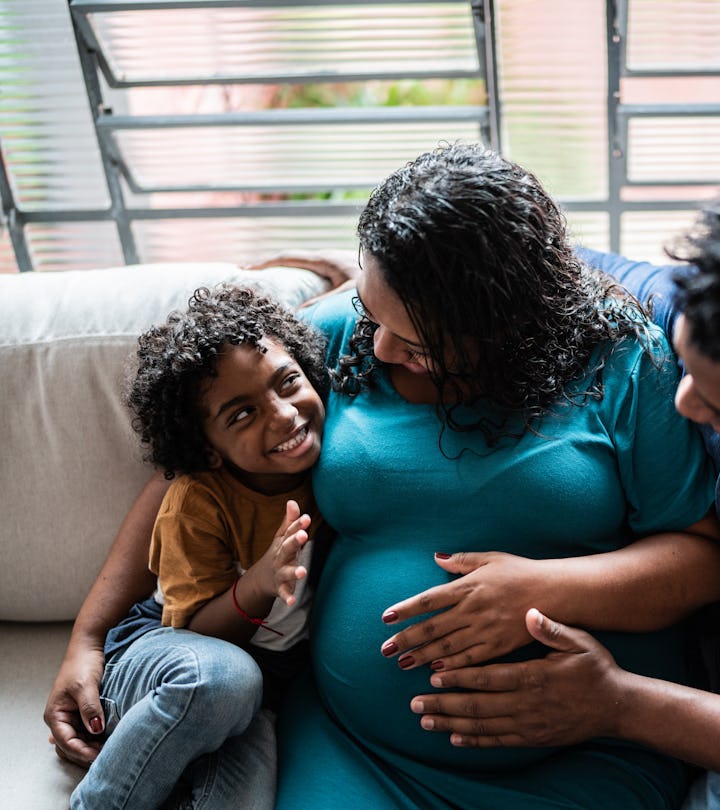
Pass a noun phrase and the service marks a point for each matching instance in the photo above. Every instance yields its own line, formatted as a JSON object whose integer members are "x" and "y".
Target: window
{"x": 218, "y": 130}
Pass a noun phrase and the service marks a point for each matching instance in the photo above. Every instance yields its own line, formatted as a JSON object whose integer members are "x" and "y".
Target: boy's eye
{"x": 239, "y": 416}
{"x": 290, "y": 380}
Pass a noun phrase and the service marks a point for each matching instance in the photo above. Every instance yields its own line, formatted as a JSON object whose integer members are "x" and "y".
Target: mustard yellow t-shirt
{"x": 210, "y": 528}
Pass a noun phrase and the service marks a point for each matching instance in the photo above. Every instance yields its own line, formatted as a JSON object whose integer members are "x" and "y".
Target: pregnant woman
{"x": 492, "y": 394}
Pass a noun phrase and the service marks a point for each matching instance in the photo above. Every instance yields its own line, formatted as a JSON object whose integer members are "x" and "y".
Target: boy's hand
{"x": 284, "y": 551}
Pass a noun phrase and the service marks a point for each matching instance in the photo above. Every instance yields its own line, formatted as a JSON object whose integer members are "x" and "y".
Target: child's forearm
{"x": 221, "y": 616}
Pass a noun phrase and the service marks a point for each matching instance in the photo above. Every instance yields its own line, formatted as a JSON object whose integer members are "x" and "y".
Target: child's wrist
{"x": 257, "y": 620}
{"x": 258, "y": 585}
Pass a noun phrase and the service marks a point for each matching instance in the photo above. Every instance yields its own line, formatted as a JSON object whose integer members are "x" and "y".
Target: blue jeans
{"x": 189, "y": 713}
{"x": 704, "y": 793}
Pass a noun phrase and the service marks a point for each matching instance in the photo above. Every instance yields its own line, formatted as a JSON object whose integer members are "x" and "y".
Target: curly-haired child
{"x": 226, "y": 399}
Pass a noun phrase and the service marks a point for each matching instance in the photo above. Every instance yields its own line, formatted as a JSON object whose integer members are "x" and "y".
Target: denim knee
{"x": 199, "y": 681}
{"x": 179, "y": 695}
{"x": 225, "y": 681}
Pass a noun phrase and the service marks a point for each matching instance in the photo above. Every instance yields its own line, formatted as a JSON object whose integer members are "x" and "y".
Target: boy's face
{"x": 698, "y": 394}
{"x": 262, "y": 415}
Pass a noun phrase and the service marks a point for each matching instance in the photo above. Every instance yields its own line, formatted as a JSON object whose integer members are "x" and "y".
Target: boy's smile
{"x": 262, "y": 417}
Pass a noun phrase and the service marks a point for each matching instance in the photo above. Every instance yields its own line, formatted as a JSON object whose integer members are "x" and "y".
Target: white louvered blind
{"x": 238, "y": 128}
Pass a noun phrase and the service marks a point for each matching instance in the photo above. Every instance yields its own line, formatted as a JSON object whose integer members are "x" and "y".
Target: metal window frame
{"x": 119, "y": 176}
{"x": 618, "y": 117}
{"x": 94, "y": 63}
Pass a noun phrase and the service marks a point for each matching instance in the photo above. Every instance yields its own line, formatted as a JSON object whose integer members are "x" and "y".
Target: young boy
{"x": 226, "y": 398}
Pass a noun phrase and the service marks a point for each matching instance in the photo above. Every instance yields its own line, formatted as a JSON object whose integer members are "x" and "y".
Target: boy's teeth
{"x": 294, "y": 442}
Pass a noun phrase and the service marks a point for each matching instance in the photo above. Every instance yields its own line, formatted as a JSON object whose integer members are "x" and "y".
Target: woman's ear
{"x": 214, "y": 458}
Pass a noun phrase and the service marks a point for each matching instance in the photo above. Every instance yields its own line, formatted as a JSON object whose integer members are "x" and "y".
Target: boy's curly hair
{"x": 177, "y": 357}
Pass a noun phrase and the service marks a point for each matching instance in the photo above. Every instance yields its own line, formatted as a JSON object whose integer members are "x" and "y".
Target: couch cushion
{"x": 71, "y": 465}
{"x": 34, "y": 778}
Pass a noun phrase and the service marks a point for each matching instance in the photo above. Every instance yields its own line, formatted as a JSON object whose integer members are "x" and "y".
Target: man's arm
{"x": 651, "y": 284}
{"x": 73, "y": 704}
{"x": 575, "y": 693}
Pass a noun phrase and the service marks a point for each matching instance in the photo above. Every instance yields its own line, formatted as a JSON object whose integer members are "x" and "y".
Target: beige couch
{"x": 69, "y": 469}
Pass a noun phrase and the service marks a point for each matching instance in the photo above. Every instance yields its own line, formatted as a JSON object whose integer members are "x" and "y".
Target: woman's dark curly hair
{"x": 478, "y": 253}
{"x": 697, "y": 294}
{"x": 176, "y": 358}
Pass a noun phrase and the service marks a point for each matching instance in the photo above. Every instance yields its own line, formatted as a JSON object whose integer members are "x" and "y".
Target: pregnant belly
{"x": 367, "y": 693}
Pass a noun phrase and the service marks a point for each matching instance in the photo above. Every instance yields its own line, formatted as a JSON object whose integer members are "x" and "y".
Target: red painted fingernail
{"x": 406, "y": 661}
{"x": 96, "y": 725}
{"x": 437, "y": 665}
{"x": 389, "y": 617}
{"x": 441, "y": 555}
{"x": 389, "y": 648}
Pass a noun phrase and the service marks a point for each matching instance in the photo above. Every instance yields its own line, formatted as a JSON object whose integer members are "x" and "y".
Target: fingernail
{"x": 437, "y": 665}
{"x": 437, "y": 681}
{"x": 441, "y": 555}
{"x": 389, "y": 648}
{"x": 427, "y": 723}
{"x": 390, "y": 617}
{"x": 406, "y": 661}
{"x": 96, "y": 725}
{"x": 417, "y": 706}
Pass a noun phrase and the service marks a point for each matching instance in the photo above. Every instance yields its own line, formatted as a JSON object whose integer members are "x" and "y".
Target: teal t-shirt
{"x": 592, "y": 479}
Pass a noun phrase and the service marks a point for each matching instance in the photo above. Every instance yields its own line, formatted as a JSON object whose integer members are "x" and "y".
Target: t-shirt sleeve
{"x": 335, "y": 317}
{"x": 651, "y": 284}
{"x": 667, "y": 475}
{"x": 191, "y": 555}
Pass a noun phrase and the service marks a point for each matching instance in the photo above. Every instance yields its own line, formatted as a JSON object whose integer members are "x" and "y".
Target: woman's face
{"x": 395, "y": 342}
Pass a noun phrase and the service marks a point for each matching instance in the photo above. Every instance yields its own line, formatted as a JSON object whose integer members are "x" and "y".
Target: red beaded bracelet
{"x": 251, "y": 619}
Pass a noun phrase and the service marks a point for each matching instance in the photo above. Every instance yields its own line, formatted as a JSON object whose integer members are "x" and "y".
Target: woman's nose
{"x": 387, "y": 347}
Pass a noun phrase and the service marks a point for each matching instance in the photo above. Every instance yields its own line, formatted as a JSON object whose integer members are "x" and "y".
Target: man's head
{"x": 697, "y": 329}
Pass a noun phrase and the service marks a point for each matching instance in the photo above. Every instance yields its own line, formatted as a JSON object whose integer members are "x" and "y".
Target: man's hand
{"x": 571, "y": 695}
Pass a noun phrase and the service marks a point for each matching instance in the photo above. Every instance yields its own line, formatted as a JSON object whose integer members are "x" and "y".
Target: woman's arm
{"x": 645, "y": 586}
{"x": 337, "y": 266}
{"x": 73, "y": 704}
{"x": 574, "y": 693}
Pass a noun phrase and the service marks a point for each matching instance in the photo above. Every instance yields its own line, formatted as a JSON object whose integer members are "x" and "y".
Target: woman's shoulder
{"x": 332, "y": 309}
{"x": 335, "y": 316}
{"x": 637, "y": 341}
{"x": 648, "y": 347}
